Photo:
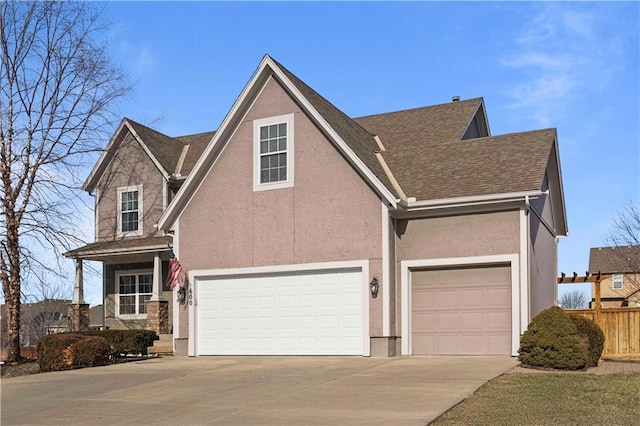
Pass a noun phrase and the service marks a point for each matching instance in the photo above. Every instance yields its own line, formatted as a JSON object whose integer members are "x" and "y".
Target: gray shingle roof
{"x": 166, "y": 149}
{"x": 420, "y": 126}
{"x": 118, "y": 245}
{"x": 459, "y": 168}
{"x": 197, "y": 144}
{"x": 361, "y": 142}
{"x": 424, "y": 150}
{"x": 614, "y": 259}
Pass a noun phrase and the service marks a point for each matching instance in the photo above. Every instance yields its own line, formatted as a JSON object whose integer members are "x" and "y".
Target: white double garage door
{"x": 317, "y": 312}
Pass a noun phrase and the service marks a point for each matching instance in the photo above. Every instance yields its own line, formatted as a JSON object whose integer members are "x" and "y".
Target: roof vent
{"x": 456, "y": 99}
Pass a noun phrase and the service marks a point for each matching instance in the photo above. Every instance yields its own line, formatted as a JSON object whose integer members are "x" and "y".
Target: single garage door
{"x": 301, "y": 313}
{"x": 462, "y": 311}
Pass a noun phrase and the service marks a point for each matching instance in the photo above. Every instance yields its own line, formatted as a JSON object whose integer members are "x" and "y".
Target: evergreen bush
{"x": 66, "y": 351}
{"x": 592, "y": 337}
{"x": 126, "y": 342}
{"x": 552, "y": 341}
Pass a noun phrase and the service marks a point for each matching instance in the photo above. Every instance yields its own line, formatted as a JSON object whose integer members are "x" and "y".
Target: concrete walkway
{"x": 251, "y": 391}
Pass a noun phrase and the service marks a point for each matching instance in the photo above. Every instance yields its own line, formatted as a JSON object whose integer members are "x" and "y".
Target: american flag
{"x": 176, "y": 274}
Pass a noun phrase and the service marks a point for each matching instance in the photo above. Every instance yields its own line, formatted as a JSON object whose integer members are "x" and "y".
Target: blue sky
{"x": 573, "y": 66}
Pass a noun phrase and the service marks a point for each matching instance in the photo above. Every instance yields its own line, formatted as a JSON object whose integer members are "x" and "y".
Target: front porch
{"x": 133, "y": 272}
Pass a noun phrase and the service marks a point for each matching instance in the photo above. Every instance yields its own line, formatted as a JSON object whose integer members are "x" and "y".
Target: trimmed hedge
{"x": 125, "y": 342}
{"x": 591, "y": 336}
{"x": 552, "y": 341}
{"x": 66, "y": 351}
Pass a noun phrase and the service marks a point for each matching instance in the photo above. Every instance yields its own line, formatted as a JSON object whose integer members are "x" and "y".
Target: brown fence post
{"x": 598, "y": 302}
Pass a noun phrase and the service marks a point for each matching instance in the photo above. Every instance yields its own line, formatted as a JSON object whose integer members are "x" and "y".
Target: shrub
{"x": 66, "y": 351}
{"x": 125, "y": 342}
{"x": 591, "y": 336}
{"x": 91, "y": 351}
{"x": 551, "y": 341}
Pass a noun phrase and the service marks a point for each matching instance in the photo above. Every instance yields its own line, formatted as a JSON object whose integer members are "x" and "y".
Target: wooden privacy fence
{"x": 621, "y": 328}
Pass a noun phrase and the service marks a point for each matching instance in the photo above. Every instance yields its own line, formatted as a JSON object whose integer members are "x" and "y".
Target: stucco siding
{"x": 543, "y": 255}
{"x": 458, "y": 236}
{"x": 328, "y": 215}
{"x": 132, "y": 166}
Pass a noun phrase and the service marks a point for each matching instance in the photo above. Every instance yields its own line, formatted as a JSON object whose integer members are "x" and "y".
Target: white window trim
{"x": 122, "y": 190}
{"x": 615, "y": 278}
{"x": 288, "y": 119}
{"x": 117, "y": 292}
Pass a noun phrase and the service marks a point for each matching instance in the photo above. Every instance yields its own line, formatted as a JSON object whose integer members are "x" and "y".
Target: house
{"x": 304, "y": 231}
{"x": 37, "y": 319}
{"x": 622, "y": 288}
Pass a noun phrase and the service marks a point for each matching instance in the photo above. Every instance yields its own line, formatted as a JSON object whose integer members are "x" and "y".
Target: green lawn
{"x": 551, "y": 399}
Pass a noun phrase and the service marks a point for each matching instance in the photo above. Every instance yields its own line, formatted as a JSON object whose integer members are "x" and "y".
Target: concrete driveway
{"x": 250, "y": 390}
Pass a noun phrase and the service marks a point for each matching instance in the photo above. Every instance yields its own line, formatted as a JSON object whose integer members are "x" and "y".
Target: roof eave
{"x": 467, "y": 201}
{"x": 94, "y": 254}
{"x": 95, "y": 174}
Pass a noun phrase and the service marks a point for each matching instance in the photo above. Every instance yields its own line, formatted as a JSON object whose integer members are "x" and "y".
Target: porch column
{"x": 156, "y": 292}
{"x": 157, "y": 307}
{"x": 78, "y": 310}
{"x": 78, "y": 288}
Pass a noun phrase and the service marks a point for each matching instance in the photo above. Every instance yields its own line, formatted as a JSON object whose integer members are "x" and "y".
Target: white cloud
{"x": 560, "y": 53}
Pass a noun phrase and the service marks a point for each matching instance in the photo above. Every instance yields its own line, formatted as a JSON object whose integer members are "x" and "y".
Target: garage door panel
{"x": 472, "y": 320}
{"x": 297, "y": 313}
{"x": 470, "y": 297}
{"x": 446, "y": 298}
{"x": 469, "y": 311}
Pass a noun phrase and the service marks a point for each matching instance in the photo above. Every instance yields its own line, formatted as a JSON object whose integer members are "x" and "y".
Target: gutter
{"x": 412, "y": 205}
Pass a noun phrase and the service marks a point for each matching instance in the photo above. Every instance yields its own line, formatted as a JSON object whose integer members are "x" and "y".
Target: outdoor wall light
{"x": 374, "y": 287}
{"x": 182, "y": 295}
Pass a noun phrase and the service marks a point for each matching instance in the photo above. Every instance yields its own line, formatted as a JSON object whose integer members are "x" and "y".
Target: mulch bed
{"x": 19, "y": 368}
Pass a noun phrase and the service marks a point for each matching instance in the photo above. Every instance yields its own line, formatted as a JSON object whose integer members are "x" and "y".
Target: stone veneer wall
{"x": 158, "y": 316}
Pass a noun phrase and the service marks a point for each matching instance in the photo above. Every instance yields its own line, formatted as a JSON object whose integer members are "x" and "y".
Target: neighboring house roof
{"x": 100, "y": 249}
{"x": 611, "y": 260}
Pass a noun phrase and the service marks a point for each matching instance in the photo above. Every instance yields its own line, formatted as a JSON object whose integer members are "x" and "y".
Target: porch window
{"x": 134, "y": 291}
{"x": 129, "y": 210}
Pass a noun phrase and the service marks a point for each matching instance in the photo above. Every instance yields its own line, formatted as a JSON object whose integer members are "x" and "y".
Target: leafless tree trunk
{"x": 625, "y": 234}
{"x": 574, "y": 299}
{"x": 57, "y": 88}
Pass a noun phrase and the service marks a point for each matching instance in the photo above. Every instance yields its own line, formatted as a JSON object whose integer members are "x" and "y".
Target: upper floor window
{"x": 617, "y": 282}
{"x": 130, "y": 210}
{"x": 273, "y": 152}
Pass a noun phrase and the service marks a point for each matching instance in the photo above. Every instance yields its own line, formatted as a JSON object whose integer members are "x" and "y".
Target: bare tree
{"x": 57, "y": 88}
{"x": 44, "y": 311}
{"x": 625, "y": 236}
{"x": 574, "y": 299}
